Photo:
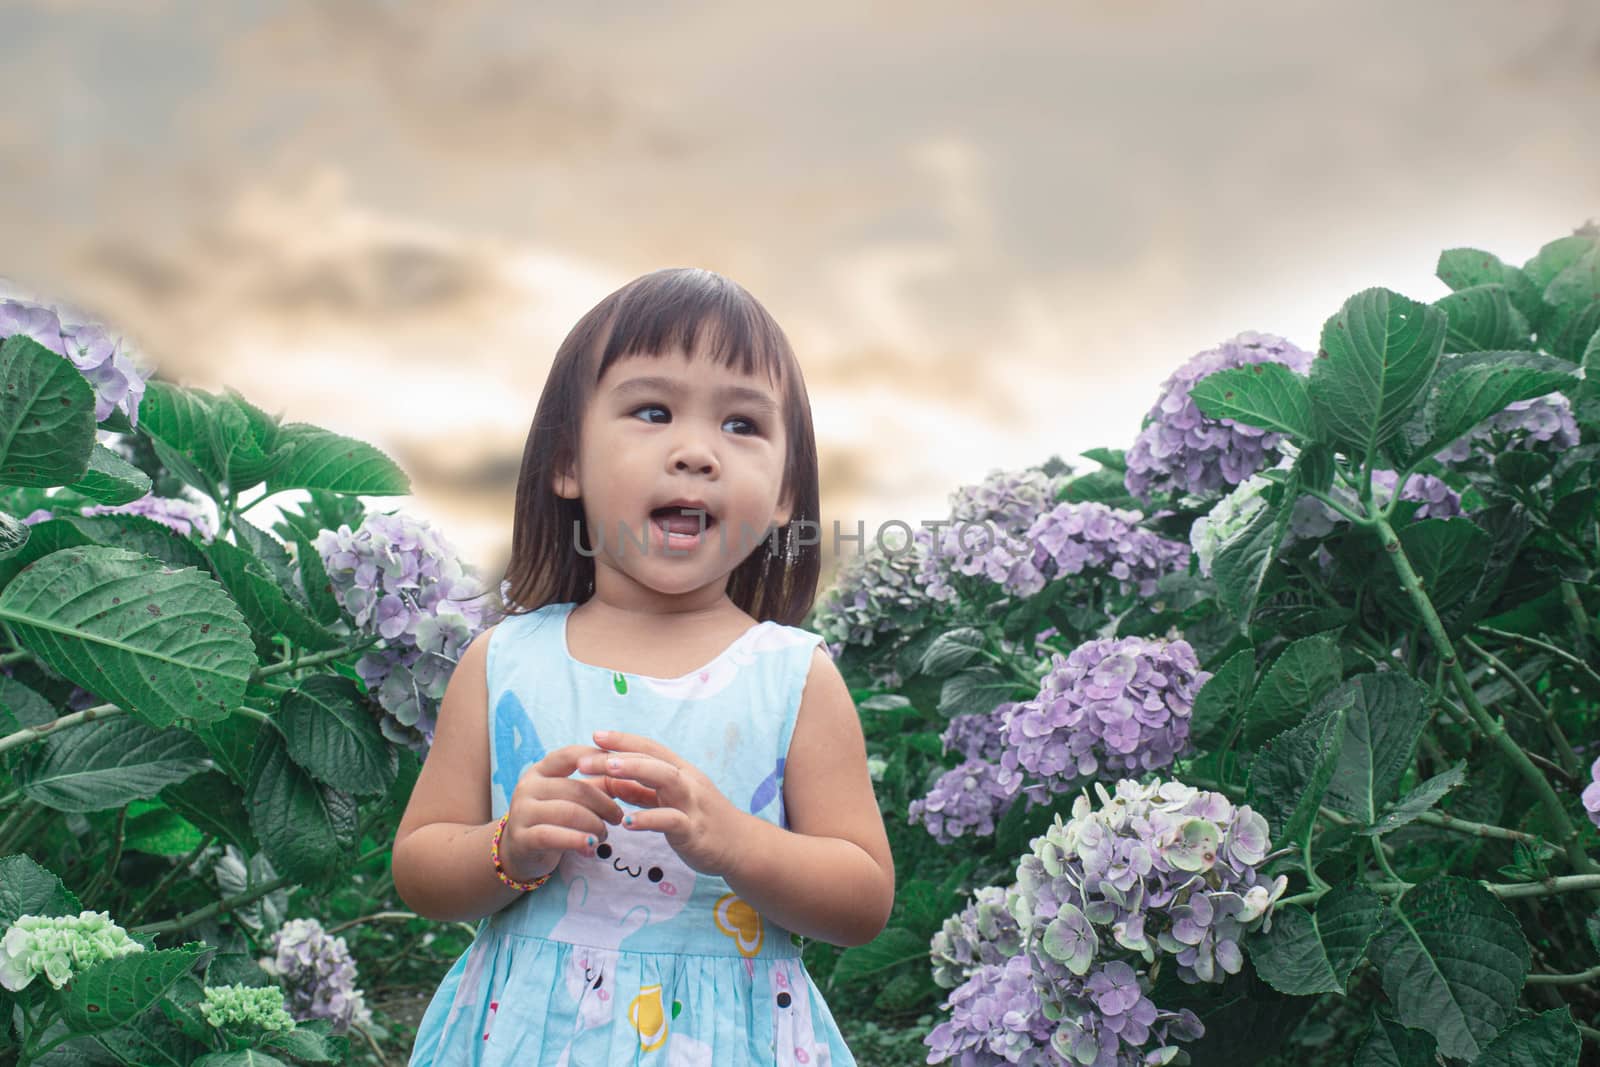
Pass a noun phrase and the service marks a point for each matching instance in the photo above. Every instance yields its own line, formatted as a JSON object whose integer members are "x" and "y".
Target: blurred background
{"x": 990, "y": 234}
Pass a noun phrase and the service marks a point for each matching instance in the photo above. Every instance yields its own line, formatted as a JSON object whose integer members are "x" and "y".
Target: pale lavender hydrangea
{"x": 1180, "y": 450}
{"x": 1112, "y": 706}
{"x": 995, "y": 1019}
{"x": 976, "y": 736}
{"x": 1311, "y": 518}
{"x": 102, "y": 359}
{"x": 401, "y": 580}
{"x": 182, "y": 516}
{"x": 1591, "y": 793}
{"x": 1086, "y": 538}
{"x": 1001, "y": 508}
{"x": 969, "y": 799}
{"x": 984, "y": 933}
{"x": 1544, "y": 423}
{"x": 318, "y": 975}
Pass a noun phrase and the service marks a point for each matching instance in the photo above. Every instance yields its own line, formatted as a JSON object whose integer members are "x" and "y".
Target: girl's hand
{"x": 551, "y": 813}
{"x": 700, "y": 824}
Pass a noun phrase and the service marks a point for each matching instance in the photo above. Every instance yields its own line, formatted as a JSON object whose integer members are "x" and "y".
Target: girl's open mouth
{"x": 679, "y": 528}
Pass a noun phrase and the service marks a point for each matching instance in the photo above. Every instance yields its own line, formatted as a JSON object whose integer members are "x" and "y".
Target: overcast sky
{"x": 989, "y": 230}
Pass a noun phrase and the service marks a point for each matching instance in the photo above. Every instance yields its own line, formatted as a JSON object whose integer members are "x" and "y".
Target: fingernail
{"x": 627, "y": 820}
{"x": 613, "y": 764}
{"x": 591, "y": 841}
{"x": 603, "y": 735}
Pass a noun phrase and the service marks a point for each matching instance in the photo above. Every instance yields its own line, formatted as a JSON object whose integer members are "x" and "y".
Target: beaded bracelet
{"x": 494, "y": 854}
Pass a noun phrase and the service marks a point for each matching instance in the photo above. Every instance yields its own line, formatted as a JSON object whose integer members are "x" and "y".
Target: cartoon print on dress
{"x": 590, "y": 975}
{"x": 794, "y": 1037}
{"x": 637, "y": 880}
{"x": 649, "y": 1017}
{"x": 765, "y": 636}
{"x": 516, "y": 747}
{"x": 488, "y": 1024}
{"x": 768, "y": 790}
{"x": 739, "y": 921}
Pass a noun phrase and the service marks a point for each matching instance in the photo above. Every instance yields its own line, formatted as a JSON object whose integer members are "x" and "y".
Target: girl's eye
{"x": 753, "y": 427}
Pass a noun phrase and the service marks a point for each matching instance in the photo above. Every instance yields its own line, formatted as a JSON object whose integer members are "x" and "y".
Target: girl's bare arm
{"x": 830, "y": 876}
{"x": 441, "y": 848}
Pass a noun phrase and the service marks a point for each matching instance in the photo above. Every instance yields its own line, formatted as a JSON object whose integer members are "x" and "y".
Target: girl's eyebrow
{"x": 755, "y": 398}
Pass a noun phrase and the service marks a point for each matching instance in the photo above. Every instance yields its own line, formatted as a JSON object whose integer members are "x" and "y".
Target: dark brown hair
{"x": 662, "y": 313}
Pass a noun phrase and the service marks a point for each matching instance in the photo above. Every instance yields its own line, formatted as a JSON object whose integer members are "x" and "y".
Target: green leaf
{"x": 1241, "y": 562}
{"x": 952, "y": 651}
{"x": 1305, "y": 953}
{"x": 1289, "y": 776}
{"x": 140, "y": 534}
{"x": 149, "y": 1042}
{"x": 46, "y": 416}
{"x": 1570, "y": 331}
{"x": 155, "y": 828}
{"x": 1383, "y": 717}
{"x": 977, "y": 690}
{"x": 1419, "y": 801}
{"x": 310, "y": 1041}
{"x": 245, "y": 1057}
{"x": 1268, "y": 395}
{"x": 1389, "y": 1044}
{"x": 1549, "y": 1039}
{"x": 1448, "y": 555}
{"x": 891, "y": 948}
{"x": 1110, "y": 458}
{"x": 106, "y": 763}
{"x": 1555, "y": 257}
{"x": 1452, "y": 961}
{"x": 214, "y": 804}
{"x": 331, "y": 733}
{"x": 314, "y": 579}
{"x": 263, "y": 600}
{"x": 1470, "y": 388}
{"x": 46, "y": 537}
{"x": 1522, "y": 468}
{"x": 162, "y": 644}
{"x": 320, "y": 459}
{"x": 1481, "y": 319}
{"x": 116, "y": 991}
{"x": 1306, "y": 670}
{"x": 179, "y": 423}
{"x": 1462, "y": 268}
{"x": 111, "y": 479}
{"x": 1377, "y": 356}
{"x": 1220, "y": 703}
{"x": 306, "y": 829}
{"x": 29, "y": 889}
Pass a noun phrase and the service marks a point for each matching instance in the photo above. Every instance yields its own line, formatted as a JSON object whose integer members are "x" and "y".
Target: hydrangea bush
{"x": 184, "y": 691}
{"x": 1303, "y": 783}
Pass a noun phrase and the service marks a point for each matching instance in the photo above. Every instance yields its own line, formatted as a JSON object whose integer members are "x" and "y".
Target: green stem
{"x": 9, "y": 658}
{"x": 38, "y": 733}
{"x": 311, "y": 661}
{"x": 183, "y": 922}
{"x": 1491, "y": 727}
{"x": 1560, "y": 653}
{"x": 1565, "y": 979}
{"x": 1589, "y": 1032}
{"x": 1567, "y": 883}
{"x": 1580, "y": 618}
{"x": 105, "y": 874}
{"x": 1569, "y": 758}
{"x": 1479, "y": 829}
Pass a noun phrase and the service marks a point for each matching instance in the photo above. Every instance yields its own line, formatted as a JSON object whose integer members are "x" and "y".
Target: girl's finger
{"x": 621, "y": 742}
{"x": 568, "y": 814}
{"x": 663, "y": 820}
{"x": 646, "y": 770}
{"x": 586, "y": 791}
{"x": 630, "y": 792}
{"x": 547, "y": 837}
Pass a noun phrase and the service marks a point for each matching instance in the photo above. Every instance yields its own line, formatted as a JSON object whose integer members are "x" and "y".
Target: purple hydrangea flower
{"x": 1113, "y": 706}
{"x": 402, "y": 581}
{"x": 1311, "y": 518}
{"x": 318, "y": 974}
{"x": 1542, "y": 423}
{"x": 1180, "y": 450}
{"x": 1591, "y": 793}
{"x": 995, "y": 1019}
{"x": 184, "y": 516}
{"x": 968, "y": 799}
{"x": 102, "y": 359}
{"x": 981, "y": 934}
{"x": 977, "y": 736}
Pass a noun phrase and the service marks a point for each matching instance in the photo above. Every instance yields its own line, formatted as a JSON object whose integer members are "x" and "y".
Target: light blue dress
{"x": 630, "y": 956}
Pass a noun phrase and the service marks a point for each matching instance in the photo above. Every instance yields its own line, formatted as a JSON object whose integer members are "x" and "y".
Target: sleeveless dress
{"x": 631, "y": 956}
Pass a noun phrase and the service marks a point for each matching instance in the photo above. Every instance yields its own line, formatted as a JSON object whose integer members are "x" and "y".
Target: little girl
{"x": 647, "y": 781}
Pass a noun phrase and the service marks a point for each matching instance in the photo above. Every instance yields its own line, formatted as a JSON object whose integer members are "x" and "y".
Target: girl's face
{"x": 675, "y": 429}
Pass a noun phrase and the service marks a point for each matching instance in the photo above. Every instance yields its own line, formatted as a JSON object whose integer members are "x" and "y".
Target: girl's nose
{"x": 694, "y": 456}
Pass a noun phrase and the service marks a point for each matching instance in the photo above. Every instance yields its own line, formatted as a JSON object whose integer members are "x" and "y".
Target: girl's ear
{"x": 565, "y": 482}
{"x": 784, "y": 512}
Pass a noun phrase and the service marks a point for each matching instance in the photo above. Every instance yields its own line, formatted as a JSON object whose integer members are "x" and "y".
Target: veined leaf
{"x": 46, "y": 416}
{"x": 322, "y": 459}
{"x": 1307, "y": 953}
{"x": 111, "y": 479}
{"x": 1268, "y": 395}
